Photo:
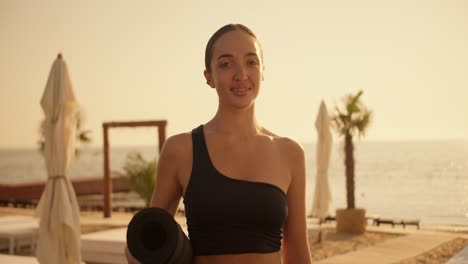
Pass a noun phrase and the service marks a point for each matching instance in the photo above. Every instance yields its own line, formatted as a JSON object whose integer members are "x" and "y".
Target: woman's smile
{"x": 240, "y": 91}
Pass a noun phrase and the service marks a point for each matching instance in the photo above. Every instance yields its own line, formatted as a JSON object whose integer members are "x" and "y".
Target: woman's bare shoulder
{"x": 285, "y": 144}
{"x": 178, "y": 145}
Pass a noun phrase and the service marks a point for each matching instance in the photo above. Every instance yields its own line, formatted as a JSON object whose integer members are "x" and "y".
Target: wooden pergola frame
{"x": 161, "y": 124}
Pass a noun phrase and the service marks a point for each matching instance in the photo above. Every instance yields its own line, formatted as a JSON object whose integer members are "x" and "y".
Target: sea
{"x": 426, "y": 180}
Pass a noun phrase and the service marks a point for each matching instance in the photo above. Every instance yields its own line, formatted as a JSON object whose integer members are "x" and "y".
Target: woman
{"x": 243, "y": 186}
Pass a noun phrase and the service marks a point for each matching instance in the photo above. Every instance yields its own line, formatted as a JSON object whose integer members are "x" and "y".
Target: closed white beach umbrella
{"x": 59, "y": 228}
{"x": 322, "y": 194}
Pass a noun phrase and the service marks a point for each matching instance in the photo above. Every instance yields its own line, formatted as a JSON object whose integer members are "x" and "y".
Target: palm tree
{"x": 353, "y": 120}
{"x": 82, "y": 135}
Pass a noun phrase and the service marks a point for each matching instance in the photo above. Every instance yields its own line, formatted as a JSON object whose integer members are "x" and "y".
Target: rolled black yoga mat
{"x": 153, "y": 236}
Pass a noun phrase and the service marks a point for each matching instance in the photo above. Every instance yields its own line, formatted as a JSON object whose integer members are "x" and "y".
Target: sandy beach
{"x": 338, "y": 244}
{"x": 335, "y": 244}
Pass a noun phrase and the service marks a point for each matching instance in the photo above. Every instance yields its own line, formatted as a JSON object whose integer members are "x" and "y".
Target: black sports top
{"x": 230, "y": 216}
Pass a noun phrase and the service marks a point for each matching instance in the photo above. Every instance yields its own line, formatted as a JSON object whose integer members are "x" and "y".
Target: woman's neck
{"x": 240, "y": 122}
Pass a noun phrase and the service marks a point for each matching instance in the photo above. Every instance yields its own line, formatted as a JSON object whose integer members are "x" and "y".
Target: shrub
{"x": 141, "y": 175}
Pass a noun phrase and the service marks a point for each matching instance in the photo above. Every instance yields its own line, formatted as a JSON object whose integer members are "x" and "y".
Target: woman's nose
{"x": 240, "y": 73}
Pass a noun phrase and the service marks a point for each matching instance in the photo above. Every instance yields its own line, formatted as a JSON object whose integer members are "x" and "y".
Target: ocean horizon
{"x": 423, "y": 179}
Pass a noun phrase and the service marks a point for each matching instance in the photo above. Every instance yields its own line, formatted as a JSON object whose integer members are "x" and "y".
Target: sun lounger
{"x": 414, "y": 222}
{"x": 18, "y": 231}
{"x": 379, "y": 221}
{"x": 11, "y": 259}
{"x": 104, "y": 246}
{"x": 371, "y": 218}
{"x": 329, "y": 219}
{"x": 393, "y": 222}
{"x": 16, "y": 219}
{"x": 107, "y": 246}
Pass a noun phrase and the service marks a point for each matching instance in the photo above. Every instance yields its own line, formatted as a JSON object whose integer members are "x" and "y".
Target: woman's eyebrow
{"x": 251, "y": 54}
{"x": 227, "y": 55}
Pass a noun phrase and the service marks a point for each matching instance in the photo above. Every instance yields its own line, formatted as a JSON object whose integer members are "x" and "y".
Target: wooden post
{"x": 162, "y": 135}
{"x": 107, "y": 180}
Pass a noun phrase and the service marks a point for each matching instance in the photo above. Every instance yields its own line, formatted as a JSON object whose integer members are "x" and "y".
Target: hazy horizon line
{"x": 335, "y": 142}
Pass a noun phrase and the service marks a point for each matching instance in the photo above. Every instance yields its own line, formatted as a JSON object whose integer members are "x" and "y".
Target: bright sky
{"x": 140, "y": 60}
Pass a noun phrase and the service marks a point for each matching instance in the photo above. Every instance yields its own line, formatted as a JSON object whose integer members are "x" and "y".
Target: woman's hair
{"x": 219, "y": 33}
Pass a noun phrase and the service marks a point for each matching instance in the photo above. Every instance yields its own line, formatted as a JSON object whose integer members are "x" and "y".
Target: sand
{"x": 341, "y": 243}
{"x": 440, "y": 254}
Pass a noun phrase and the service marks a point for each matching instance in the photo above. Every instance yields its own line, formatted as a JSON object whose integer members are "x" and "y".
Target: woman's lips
{"x": 240, "y": 91}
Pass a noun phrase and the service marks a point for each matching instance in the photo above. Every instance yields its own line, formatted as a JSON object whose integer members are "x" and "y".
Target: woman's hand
{"x": 130, "y": 258}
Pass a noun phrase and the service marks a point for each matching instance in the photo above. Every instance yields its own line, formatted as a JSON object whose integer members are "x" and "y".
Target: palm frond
{"x": 364, "y": 123}
{"x": 84, "y": 136}
{"x": 356, "y": 118}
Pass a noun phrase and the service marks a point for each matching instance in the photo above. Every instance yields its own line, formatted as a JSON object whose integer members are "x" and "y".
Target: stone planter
{"x": 351, "y": 220}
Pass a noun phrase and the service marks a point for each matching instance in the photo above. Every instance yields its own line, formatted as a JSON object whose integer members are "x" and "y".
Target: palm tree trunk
{"x": 349, "y": 165}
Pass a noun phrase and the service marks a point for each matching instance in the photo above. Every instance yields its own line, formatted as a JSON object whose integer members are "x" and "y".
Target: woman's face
{"x": 236, "y": 69}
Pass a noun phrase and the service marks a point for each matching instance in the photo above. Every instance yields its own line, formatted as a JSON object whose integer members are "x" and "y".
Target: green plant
{"x": 141, "y": 175}
{"x": 353, "y": 120}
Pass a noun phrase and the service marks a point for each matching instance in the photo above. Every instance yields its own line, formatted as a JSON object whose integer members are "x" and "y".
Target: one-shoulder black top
{"x": 230, "y": 216}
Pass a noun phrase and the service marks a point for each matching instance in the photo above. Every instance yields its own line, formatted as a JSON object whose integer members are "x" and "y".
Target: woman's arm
{"x": 168, "y": 189}
{"x": 296, "y": 244}
{"x": 167, "y": 192}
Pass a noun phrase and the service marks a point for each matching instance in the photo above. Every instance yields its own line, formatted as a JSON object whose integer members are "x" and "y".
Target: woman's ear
{"x": 263, "y": 73}
{"x": 208, "y": 78}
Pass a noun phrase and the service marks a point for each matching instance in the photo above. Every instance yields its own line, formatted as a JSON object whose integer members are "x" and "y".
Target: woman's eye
{"x": 252, "y": 62}
{"x": 224, "y": 65}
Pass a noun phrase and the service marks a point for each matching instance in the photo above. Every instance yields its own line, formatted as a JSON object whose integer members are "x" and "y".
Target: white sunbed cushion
{"x": 104, "y": 246}
{"x": 111, "y": 241}
{"x": 17, "y": 219}
{"x": 10, "y": 259}
{"x": 17, "y": 259}
{"x": 18, "y": 228}
{"x": 13, "y": 234}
